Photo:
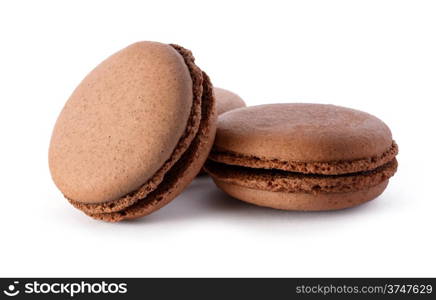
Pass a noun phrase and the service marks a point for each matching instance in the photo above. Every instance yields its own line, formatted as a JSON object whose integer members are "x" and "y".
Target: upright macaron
{"x": 134, "y": 133}
{"x": 302, "y": 156}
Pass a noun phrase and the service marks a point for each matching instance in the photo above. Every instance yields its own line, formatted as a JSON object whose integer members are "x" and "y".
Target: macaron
{"x": 134, "y": 133}
{"x": 308, "y": 157}
{"x": 227, "y": 100}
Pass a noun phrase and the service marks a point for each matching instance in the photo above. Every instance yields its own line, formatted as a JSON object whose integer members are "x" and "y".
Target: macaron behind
{"x": 302, "y": 156}
{"x": 227, "y": 100}
{"x": 134, "y": 133}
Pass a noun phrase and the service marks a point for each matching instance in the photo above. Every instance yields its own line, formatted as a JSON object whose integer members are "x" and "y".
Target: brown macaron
{"x": 227, "y": 100}
{"x": 134, "y": 133}
{"x": 302, "y": 156}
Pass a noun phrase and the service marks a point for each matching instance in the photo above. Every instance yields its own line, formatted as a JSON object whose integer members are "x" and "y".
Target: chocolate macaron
{"x": 134, "y": 133}
{"x": 302, "y": 156}
{"x": 227, "y": 100}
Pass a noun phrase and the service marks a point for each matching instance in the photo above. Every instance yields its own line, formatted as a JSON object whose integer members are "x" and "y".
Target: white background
{"x": 377, "y": 56}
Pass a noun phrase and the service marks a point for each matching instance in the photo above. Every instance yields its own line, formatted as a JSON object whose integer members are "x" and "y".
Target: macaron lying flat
{"x": 302, "y": 156}
{"x": 134, "y": 133}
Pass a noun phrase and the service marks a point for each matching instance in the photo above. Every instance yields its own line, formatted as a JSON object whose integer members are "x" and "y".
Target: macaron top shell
{"x": 121, "y": 123}
{"x": 302, "y": 133}
{"x": 227, "y": 100}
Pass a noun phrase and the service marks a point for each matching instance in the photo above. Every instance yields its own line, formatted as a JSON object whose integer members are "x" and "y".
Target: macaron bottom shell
{"x": 302, "y": 201}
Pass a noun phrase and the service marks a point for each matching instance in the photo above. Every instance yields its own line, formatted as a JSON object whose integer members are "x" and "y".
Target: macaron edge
{"x": 282, "y": 181}
{"x": 312, "y": 167}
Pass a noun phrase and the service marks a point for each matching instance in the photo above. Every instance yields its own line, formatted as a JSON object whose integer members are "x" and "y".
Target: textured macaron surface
{"x": 122, "y": 123}
{"x": 183, "y": 164}
{"x": 227, "y": 100}
{"x": 307, "y": 138}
